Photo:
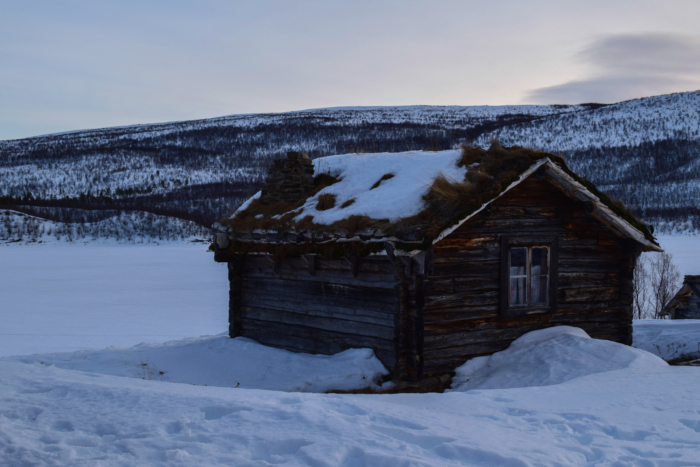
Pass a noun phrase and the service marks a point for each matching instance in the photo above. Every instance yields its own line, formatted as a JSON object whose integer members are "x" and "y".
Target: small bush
{"x": 379, "y": 182}
{"x": 325, "y": 202}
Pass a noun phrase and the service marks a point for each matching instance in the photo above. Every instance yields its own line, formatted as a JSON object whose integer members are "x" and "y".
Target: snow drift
{"x": 221, "y": 361}
{"x": 547, "y": 357}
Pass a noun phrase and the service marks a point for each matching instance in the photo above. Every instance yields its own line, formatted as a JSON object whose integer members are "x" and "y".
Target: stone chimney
{"x": 288, "y": 180}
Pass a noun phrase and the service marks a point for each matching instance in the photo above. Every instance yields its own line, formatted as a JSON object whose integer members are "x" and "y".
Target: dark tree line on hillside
{"x": 94, "y": 162}
{"x": 659, "y": 181}
{"x": 203, "y": 174}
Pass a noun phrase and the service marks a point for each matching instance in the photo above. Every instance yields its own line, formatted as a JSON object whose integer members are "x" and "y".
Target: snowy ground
{"x": 669, "y": 339}
{"x": 623, "y": 416}
{"x": 225, "y": 362}
{"x": 555, "y": 397}
{"x": 69, "y": 297}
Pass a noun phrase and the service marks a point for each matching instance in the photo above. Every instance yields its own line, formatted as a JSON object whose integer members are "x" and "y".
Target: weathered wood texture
{"x": 690, "y": 311}
{"x": 462, "y": 292}
{"x": 318, "y": 305}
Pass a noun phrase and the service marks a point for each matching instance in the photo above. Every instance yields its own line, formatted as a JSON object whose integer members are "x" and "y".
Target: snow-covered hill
{"x": 645, "y": 152}
{"x": 202, "y": 170}
{"x": 630, "y": 123}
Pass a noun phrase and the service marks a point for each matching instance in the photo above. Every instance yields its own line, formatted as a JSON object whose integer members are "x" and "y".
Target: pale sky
{"x": 68, "y": 65}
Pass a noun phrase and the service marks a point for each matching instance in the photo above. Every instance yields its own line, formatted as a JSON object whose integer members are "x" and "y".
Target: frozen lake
{"x": 71, "y": 297}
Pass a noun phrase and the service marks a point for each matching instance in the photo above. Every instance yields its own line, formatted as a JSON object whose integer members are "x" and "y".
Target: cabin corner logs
{"x": 426, "y": 315}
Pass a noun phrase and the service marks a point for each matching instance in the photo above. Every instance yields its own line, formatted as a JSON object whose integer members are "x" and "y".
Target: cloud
{"x": 630, "y": 66}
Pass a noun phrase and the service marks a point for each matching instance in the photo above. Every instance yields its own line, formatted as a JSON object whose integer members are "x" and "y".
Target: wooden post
{"x": 409, "y": 317}
{"x": 235, "y": 272}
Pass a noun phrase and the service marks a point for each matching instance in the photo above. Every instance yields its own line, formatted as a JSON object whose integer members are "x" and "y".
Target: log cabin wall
{"x": 319, "y": 305}
{"x": 462, "y": 286}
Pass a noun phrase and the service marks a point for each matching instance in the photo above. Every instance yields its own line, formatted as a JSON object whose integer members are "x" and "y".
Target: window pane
{"x": 539, "y": 261}
{"x": 538, "y": 289}
{"x": 518, "y": 288}
{"x": 518, "y": 259}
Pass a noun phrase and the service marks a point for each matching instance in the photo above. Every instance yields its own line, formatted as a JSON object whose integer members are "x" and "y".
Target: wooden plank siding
{"x": 462, "y": 292}
{"x": 317, "y": 305}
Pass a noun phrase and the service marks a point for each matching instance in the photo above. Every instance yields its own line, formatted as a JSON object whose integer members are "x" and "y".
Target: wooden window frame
{"x": 508, "y": 242}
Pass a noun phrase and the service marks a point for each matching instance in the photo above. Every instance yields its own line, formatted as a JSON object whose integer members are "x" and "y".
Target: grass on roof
{"x": 379, "y": 182}
{"x": 326, "y": 201}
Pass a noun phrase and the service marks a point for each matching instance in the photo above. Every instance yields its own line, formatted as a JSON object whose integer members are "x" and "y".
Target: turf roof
{"x": 472, "y": 178}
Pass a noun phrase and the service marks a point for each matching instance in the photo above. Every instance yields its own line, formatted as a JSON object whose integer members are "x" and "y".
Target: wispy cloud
{"x": 628, "y": 66}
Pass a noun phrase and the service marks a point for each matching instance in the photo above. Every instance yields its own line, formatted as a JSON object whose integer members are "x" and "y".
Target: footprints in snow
{"x": 62, "y": 426}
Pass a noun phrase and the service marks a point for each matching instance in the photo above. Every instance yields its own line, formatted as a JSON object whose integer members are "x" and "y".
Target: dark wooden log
{"x": 235, "y": 269}
{"x": 336, "y": 324}
{"x": 321, "y": 309}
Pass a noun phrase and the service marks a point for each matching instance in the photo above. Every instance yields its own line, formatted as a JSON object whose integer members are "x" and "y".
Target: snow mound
{"x": 669, "y": 339}
{"x": 547, "y": 357}
{"x": 225, "y": 362}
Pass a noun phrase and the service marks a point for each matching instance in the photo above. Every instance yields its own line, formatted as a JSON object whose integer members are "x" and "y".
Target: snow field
{"x": 626, "y": 416}
{"x": 669, "y": 339}
{"x": 558, "y": 397}
{"x": 60, "y": 298}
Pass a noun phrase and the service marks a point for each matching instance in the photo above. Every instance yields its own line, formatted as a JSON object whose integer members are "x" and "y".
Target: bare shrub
{"x": 641, "y": 292}
{"x": 665, "y": 280}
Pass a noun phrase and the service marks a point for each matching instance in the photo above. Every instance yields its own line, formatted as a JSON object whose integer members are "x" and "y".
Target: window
{"x": 528, "y": 282}
{"x": 529, "y": 276}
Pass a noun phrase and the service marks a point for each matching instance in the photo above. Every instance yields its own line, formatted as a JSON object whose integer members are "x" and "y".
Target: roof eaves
{"x": 602, "y": 212}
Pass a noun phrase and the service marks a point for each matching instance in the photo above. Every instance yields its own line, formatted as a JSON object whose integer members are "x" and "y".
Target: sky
{"x": 69, "y": 65}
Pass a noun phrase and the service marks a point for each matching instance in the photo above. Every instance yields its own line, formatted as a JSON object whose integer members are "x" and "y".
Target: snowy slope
{"x": 54, "y": 416}
{"x": 452, "y": 116}
{"x": 672, "y": 116}
{"x": 643, "y": 152}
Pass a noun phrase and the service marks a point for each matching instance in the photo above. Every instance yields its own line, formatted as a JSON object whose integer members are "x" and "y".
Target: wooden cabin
{"x": 429, "y": 258}
{"x": 686, "y": 303}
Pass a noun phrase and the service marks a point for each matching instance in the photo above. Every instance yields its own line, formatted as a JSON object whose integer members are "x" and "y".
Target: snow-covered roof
{"x": 397, "y": 197}
{"x": 386, "y": 197}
